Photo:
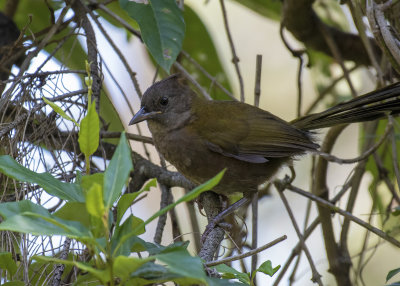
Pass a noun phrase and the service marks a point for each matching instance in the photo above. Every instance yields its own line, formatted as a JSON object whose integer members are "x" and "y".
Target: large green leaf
{"x": 123, "y": 266}
{"x": 117, "y": 172}
{"x": 133, "y": 241}
{"x": 95, "y": 202}
{"x": 74, "y": 211}
{"x": 89, "y": 132}
{"x": 268, "y": 8}
{"x": 162, "y": 28}
{"x": 66, "y": 191}
{"x": 199, "y": 45}
{"x": 27, "y": 217}
{"x": 182, "y": 263}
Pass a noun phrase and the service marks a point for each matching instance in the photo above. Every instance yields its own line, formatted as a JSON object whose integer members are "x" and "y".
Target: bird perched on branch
{"x": 201, "y": 137}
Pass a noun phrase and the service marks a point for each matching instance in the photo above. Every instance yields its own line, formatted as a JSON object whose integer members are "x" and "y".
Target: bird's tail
{"x": 370, "y": 106}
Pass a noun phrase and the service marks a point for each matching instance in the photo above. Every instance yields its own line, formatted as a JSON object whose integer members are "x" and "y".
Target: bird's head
{"x": 166, "y": 102}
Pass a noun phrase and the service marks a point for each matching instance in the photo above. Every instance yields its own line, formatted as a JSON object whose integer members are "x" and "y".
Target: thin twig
{"x": 247, "y": 254}
{"x": 130, "y": 136}
{"x": 297, "y": 54}
{"x": 332, "y": 207}
{"x": 192, "y": 80}
{"x": 209, "y": 76}
{"x": 316, "y": 277}
{"x": 254, "y": 230}
{"x": 363, "y": 156}
{"x": 235, "y": 58}
{"x": 257, "y": 86}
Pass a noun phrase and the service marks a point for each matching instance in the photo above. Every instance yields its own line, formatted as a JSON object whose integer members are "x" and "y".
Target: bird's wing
{"x": 249, "y": 134}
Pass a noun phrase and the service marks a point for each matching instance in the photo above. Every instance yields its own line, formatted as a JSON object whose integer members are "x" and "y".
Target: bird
{"x": 201, "y": 137}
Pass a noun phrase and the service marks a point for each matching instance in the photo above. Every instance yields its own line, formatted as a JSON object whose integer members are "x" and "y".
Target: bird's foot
{"x": 212, "y": 225}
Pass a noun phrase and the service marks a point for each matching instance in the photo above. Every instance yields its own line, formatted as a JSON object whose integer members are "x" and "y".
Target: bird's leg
{"x": 223, "y": 214}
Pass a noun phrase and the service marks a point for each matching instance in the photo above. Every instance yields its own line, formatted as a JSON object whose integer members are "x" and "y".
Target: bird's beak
{"x": 142, "y": 115}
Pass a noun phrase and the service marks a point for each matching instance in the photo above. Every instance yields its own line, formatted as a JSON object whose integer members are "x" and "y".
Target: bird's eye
{"x": 164, "y": 101}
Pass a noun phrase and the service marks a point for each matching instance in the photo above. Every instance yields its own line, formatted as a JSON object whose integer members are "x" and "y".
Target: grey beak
{"x": 142, "y": 115}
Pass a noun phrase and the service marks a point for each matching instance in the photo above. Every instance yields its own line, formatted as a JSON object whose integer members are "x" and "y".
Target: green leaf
{"x": 231, "y": 273}
{"x": 14, "y": 283}
{"x": 27, "y": 217}
{"x": 126, "y": 200}
{"x": 74, "y": 211}
{"x": 58, "y": 109}
{"x": 268, "y": 8}
{"x": 266, "y": 268}
{"x": 162, "y": 28}
{"x": 89, "y": 133}
{"x": 94, "y": 201}
{"x": 7, "y": 262}
{"x": 88, "y": 181}
{"x": 396, "y": 211}
{"x": 123, "y": 266}
{"x": 117, "y": 172}
{"x": 65, "y": 191}
{"x": 131, "y": 241}
{"x": 392, "y": 273}
{"x": 182, "y": 263}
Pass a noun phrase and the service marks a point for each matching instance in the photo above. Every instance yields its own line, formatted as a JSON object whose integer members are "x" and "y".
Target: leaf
{"x": 27, "y": 217}
{"x": 182, "y": 263}
{"x": 14, "y": 283}
{"x": 392, "y": 273}
{"x": 231, "y": 273}
{"x": 132, "y": 241}
{"x": 58, "y": 109}
{"x": 126, "y": 200}
{"x": 7, "y": 262}
{"x": 88, "y": 181}
{"x": 94, "y": 201}
{"x": 268, "y": 8}
{"x": 74, "y": 211}
{"x": 117, "y": 172}
{"x": 89, "y": 133}
{"x": 123, "y": 266}
{"x": 266, "y": 268}
{"x": 162, "y": 28}
{"x": 65, "y": 191}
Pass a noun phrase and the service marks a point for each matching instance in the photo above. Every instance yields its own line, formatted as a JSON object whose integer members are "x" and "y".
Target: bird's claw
{"x": 207, "y": 231}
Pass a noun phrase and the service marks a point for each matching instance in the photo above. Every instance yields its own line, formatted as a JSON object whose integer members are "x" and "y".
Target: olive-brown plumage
{"x": 201, "y": 137}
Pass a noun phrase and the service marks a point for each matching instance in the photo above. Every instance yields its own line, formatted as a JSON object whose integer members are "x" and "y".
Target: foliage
{"x": 109, "y": 240}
